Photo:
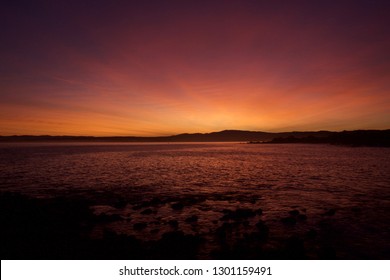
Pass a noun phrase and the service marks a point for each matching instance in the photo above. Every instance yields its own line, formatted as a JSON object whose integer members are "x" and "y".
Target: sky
{"x": 151, "y": 68}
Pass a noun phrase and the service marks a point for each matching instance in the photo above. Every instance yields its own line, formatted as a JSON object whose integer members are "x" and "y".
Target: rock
{"x": 177, "y": 245}
{"x": 139, "y": 226}
{"x": 330, "y": 212}
{"x": 295, "y": 248}
{"x": 252, "y": 201}
{"x": 259, "y": 212}
{"x": 294, "y": 213}
{"x": 156, "y": 201}
{"x": 191, "y": 200}
{"x": 356, "y": 210}
{"x": 311, "y": 234}
{"x": 145, "y": 204}
{"x": 327, "y": 253}
{"x": 243, "y": 213}
{"x": 105, "y": 218}
{"x": 263, "y": 230}
{"x": 173, "y": 223}
{"x": 228, "y": 215}
{"x": 119, "y": 204}
{"x": 302, "y": 217}
{"x": 147, "y": 211}
{"x": 177, "y": 206}
{"x": 141, "y": 205}
{"x": 239, "y": 214}
{"x": 192, "y": 219}
{"x": 223, "y": 230}
{"x": 136, "y": 207}
{"x": 288, "y": 221}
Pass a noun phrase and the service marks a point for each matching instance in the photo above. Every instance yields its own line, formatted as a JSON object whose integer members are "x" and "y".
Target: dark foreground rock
{"x": 65, "y": 228}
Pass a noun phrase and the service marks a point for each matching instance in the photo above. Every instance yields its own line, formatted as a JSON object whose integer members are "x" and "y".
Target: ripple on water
{"x": 307, "y": 191}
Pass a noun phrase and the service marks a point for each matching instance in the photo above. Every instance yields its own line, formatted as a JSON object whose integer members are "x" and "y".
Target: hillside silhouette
{"x": 353, "y": 138}
{"x": 379, "y": 138}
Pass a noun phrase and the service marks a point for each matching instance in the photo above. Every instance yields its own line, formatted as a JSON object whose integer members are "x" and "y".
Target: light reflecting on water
{"x": 211, "y": 178}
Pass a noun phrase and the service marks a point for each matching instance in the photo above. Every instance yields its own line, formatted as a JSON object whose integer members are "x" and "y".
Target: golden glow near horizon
{"x": 175, "y": 68}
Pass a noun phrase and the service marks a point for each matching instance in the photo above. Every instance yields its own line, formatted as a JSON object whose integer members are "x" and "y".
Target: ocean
{"x": 334, "y": 200}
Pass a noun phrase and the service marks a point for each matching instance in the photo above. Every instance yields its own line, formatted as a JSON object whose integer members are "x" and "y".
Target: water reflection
{"x": 317, "y": 198}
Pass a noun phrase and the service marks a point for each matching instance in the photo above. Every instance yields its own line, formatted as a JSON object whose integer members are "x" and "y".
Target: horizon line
{"x": 188, "y": 133}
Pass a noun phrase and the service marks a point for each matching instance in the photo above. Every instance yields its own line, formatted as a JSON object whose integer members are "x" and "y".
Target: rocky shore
{"x": 192, "y": 227}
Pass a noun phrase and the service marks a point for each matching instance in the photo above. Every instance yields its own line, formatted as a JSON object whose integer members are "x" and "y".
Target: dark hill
{"x": 352, "y": 138}
{"x": 221, "y": 136}
{"x": 373, "y": 138}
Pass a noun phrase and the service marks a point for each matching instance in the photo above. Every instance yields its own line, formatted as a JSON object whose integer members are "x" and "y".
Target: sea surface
{"x": 339, "y": 196}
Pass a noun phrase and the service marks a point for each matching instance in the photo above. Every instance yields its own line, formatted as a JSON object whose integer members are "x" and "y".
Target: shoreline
{"x": 76, "y": 228}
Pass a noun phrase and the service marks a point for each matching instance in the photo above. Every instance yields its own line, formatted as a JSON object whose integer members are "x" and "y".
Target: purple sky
{"x": 167, "y": 67}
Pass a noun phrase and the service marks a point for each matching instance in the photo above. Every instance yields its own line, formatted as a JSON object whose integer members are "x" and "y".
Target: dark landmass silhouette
{"x": 221, "y": 136}
{"x": 372, "y": 138}
{"x": 48, "y": 228}
{"x": 354, "y": 138}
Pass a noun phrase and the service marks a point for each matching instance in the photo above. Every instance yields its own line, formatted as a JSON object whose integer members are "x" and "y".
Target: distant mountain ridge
{"x": 220, "y": 136}
{"x": 370, "y": 136}
{"x": 243, "y": 135}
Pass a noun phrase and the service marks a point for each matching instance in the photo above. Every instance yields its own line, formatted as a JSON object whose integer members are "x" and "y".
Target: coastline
{"x": 65, "y": 228}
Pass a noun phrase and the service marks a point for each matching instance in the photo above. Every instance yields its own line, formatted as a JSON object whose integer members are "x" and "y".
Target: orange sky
{"x": 168, "y": 67}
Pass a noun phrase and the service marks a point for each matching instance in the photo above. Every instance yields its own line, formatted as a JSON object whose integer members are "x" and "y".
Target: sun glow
{"x": 241, "y": 67}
